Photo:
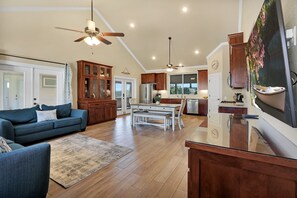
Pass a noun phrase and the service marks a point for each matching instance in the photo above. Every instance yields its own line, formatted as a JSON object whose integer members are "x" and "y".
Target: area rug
{"x": 75, "y": 157}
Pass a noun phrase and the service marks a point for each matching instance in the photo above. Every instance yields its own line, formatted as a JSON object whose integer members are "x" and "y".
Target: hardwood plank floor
{"x": 157, "y": 166}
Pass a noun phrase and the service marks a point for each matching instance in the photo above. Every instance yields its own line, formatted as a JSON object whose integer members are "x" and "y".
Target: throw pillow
{"x": 63, "y": 110}
{"x": 4, "y": 148}
{"x": 46, "y": 115}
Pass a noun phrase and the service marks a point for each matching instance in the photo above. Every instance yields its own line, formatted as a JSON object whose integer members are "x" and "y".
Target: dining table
{"x": 161, "y": 108}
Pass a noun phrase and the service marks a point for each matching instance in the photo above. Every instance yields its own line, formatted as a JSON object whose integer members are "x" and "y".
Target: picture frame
{"x": 49, "y": 81}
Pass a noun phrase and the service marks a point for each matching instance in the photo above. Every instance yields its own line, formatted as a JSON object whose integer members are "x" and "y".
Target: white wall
{"x": 251, "y": 10}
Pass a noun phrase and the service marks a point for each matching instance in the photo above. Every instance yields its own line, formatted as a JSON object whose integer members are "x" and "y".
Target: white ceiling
{"x": 206, "y": 24}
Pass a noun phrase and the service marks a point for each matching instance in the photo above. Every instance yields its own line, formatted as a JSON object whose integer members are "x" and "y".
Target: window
{"x": 183, "y": 84}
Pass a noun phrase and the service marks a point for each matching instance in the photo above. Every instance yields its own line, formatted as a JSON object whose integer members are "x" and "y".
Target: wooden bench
{"x": 142, "y": 117}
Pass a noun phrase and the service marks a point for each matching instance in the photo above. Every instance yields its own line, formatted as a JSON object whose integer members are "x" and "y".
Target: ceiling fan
{"x": 93, "y": 35}
{"x": 170, "y": 66}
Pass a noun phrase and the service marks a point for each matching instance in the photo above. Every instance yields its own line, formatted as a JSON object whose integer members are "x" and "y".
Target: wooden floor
{"x": 157, "y": 167}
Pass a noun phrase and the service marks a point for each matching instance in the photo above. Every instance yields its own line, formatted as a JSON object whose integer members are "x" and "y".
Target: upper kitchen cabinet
{"x": 148, "y": 78}
{"x": 159, "y": 78}
{"x": 202, "y": 79}
{"x": 161, "y": 81}
{"x": 238, "y": 70}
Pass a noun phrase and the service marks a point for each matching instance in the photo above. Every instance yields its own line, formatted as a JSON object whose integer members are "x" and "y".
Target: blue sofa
{"x": 21, "y": 125}
{"x": 24, "y": 171}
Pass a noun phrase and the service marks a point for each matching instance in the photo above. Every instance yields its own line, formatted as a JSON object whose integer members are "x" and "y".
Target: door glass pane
{"x": 128, "y": 94}
{"x": 87, "y": 69}
{"x": 108, "y": 88}
{"x": 95, "y": 70}
{"x": 13, "y": 91}
{"x": 118, "y": 94}
{"x": 102, "y": 71}
{"x": 48, "y": 89}
{"x": 102, "y": 88}
{"x": 87, "y": 88}
{"x": 108, "y": 72}
{"x": 95, "y": 89}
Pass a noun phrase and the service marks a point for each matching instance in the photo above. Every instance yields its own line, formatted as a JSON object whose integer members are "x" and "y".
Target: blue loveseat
{"x": 24, "y": 171}
{"x": 21, "y": 125}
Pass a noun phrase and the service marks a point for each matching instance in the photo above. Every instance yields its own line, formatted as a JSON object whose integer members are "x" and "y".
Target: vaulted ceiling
{"x": 203, "y": 27}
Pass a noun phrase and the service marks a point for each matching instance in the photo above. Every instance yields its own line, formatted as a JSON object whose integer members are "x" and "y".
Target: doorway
{"x": 23, "y": 85}
{"x": 124, "y": 93}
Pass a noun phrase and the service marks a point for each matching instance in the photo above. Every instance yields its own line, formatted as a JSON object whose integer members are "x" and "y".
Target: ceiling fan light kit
{"x": 94, "y": 36}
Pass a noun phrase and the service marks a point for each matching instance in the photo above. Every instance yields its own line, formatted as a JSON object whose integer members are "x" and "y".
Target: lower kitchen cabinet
{"x": 203, "y": 107}
{"x": 99, "y": 111}
{"x": 236, "y": 110}
{"x": 173, "y": 101}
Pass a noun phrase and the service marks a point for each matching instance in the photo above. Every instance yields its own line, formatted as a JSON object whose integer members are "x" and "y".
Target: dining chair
{"x": 179, "y": 114}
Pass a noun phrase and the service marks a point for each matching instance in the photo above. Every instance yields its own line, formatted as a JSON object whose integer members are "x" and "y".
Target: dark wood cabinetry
{"x": 202, "y": 79}
{"x": 246, "y": 167}
{"x": 238, "y": 70}
{"x": 203, "y": 107}
{"x": 161, "y": 81}
{"x": 148, "y": 78}
{"x": 159, "y": 78}
{"x": 94, "y": 91}
{"x": 235, "y": 110}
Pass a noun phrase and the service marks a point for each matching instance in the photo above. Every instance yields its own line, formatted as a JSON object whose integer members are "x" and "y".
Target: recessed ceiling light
{"x": 196, "y": 51}
{"x": 153, "y": 57}
{"x": 180, "y": 64}
{"x": 185, "y": 9}
{"x": 132, "y": 25}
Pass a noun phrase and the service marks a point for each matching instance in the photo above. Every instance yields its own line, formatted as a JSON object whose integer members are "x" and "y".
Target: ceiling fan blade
{"x": 103, "y": 40}
{"x": 112, "y": 34}
{"x": 80, "y": 39}
{"x": 61, "y": 28}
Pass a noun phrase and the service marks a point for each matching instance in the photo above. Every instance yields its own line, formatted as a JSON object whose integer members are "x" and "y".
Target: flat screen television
{"x": 268, "y": 65}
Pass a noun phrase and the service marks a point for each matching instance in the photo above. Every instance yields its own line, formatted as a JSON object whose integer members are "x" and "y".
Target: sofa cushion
{"x": 63, "y": 111}
{"x": 36, "y": 127}
{"x": 70, "y": 121}
{"x": 46, "y": 115}
{"x": 20, "y": 116}
{"x": 14, "y": 146}
{"x": 4, "y": 148}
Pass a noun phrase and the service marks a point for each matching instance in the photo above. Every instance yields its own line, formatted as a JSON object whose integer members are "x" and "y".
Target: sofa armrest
{"x": 25, "y": 172}
{"x": 6, "y": 129}
{"x": 81, "y": 114}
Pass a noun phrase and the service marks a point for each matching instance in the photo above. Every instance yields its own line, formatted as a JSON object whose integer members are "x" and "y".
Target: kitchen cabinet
{"x": 159, "y": 78}
{"x": 161, "y": 81}
{"x": 202, "y": 79}
{"x": 203, "y": 107}
{"x": 94, "y": 89}
{"x": 148, "y": 78}
{"x": 235, "y": 110}
{"x": 238, "y": 70}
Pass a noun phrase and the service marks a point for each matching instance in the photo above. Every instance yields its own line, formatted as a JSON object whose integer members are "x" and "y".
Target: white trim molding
{"x": 216, "y": 49}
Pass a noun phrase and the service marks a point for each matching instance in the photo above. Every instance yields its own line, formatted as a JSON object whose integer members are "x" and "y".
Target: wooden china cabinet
{"x": 94, "y": 91}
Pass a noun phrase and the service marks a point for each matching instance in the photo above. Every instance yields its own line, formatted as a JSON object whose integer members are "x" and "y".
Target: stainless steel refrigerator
{"x": 146, "y": 93}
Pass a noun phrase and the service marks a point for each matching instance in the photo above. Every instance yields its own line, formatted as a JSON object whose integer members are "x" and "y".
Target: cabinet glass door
{"x": 87, "y": 69}
{"x": 102, "y": 89}
{"x": 108, "y": 72}
{"x": 95, "y": 89}
{"x": 87, "y": 88}
{"x": 95, "y": 70}
{"x": 102, "y": 71}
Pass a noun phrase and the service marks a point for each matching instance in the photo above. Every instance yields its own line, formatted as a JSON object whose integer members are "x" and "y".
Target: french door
{"x": 124, "y": 92}
{"x": 22, "y": 87}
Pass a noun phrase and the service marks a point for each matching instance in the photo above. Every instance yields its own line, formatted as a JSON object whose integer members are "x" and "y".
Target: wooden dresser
{"x": 94, "y": 91}
{"x": 234, "y": 160}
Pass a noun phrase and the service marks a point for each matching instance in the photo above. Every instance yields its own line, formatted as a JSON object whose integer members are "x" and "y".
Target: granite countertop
{"x": 233, "y": 105}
